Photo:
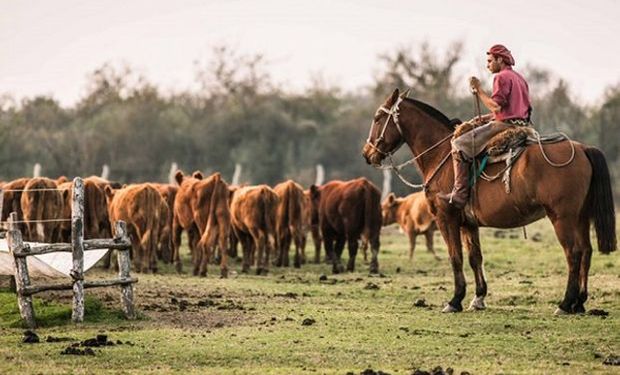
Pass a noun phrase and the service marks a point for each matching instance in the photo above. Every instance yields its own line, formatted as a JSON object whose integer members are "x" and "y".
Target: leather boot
{"x": 460, "y": 193}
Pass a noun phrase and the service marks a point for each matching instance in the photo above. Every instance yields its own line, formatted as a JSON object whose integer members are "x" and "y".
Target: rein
{"x": 394, "y": 112}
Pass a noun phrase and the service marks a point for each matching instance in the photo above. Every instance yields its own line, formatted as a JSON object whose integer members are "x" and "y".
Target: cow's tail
{"x": 599, "y": 204}
{"x": 270, "y": 204}
{"x": 148, "y": 240}
{"x": 92, "y": 205}
{"x": 294, "y": 212}
{"x": 211, "y": 231}
{"x": 372, "y": 212}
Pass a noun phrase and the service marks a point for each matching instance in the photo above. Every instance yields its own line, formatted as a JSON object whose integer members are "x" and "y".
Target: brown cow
{"x": 139, "y": 206}
{"x": 66, "y": 190}
{"x": 96, "y": 220}
{"x": 11, "y": 201}
{"x": 183, "y": 216}
{"x": 253, "y": 214}
{"x": 99, "y": 213}
{"x": 165, "y": 247}
{"x": 348, "y": 210}
{"x": 290, "y": 221}
{"x": 96, "y": 217}
{"x": 414, "y": 216}
{"x": 311, "y": 224}
{"x": 212, "y": 217}
{"x": 40, "y": 201}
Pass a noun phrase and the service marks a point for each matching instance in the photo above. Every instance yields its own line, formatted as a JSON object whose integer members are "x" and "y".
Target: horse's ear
{"x": 405, "y": 94}
{"x": 392, "y": 99}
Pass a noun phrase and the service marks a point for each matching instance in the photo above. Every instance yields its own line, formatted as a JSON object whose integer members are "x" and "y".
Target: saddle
{"x": 507, "y": 147}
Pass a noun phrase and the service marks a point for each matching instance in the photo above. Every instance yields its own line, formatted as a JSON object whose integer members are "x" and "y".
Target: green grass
{"x": 356, "y": 328}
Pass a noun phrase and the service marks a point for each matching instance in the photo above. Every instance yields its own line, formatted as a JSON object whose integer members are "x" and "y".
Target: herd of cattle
{"x": 217, "y": 217}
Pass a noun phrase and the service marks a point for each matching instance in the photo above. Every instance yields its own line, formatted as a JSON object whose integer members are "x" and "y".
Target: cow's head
{"x": 389, "y": 207}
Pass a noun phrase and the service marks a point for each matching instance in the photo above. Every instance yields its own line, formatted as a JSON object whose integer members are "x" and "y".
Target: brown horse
{"x": 571, "y": 196}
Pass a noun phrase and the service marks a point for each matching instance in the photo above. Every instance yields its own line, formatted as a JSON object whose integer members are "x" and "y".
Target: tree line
{"x": 239, "y": 115}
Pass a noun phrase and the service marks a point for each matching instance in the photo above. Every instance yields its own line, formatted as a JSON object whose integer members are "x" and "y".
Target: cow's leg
{"x": 365, "y": 243}
{"x": 177, "y": 230}
{"x": 285, "y": 246}
{"x": 328, "y": 241}
{"x": 429, "y": 243}
{"x": 352, "y": 245}
{"x": 260, "y": 242}
{"x": 232, "y": 247}
{"x": 223, "y": 237}
{"x": 316, "y": 239}
{"x": 337, "y": 254}
{"x": 412, "y": 235}
{"x": 300, "y": 256}
{"x": 471, "y": 238}
{"x": 279, "y": 258}
{"x": 448, "y": 222}
{"x": 303, "y": 240}
{"x": 193, "y": 236}
{"x": 374, "y": 253}
{"x": 246, "y": 247}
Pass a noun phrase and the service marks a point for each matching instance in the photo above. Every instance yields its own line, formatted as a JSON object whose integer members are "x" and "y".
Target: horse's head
{"x": 386, "y": 135}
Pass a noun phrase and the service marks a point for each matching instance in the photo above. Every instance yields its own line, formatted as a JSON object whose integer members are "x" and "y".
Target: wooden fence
{"x": 78, "y": 245}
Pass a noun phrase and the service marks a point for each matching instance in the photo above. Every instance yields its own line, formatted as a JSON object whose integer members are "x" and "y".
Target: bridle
{"x": 393, "y": 112}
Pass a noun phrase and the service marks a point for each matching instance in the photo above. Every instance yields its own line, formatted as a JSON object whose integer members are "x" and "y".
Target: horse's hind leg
{"x": 583, "y": 240}
{"x": 471, "y": 238}
{"x": 566, "y": 229}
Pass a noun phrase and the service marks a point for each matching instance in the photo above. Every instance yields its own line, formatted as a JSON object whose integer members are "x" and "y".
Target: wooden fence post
{"x": 77, "y": 245}
{"x": 22, "y": 279}
{"x": 124, "y": 266}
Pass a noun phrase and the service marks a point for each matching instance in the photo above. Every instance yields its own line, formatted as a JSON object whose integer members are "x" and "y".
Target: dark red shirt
{"x": 511, "y": 93}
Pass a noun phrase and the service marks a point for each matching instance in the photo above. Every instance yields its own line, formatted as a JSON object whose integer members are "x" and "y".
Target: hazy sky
{"x": 49, "y": 47}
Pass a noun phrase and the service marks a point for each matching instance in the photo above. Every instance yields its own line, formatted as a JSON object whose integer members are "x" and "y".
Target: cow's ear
{"x": 178, "y": 177}
{"x": 62, "y": 180}
{"x": 391, "y": 198}
{"x": 109, "y": 192}
{"x": 314, "y": 192}
{"x": 198, "y": 175}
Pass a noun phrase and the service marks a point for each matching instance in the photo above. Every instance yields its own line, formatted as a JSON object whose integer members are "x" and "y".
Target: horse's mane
{"x": 434, "y": 113}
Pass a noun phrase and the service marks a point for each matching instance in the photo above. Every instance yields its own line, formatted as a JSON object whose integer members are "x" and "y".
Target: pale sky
{"x": 50, "y": 47}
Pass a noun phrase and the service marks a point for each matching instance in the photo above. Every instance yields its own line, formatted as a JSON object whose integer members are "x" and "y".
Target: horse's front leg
{"x": 471, "y": 238}
{"x": 449, "y": 226}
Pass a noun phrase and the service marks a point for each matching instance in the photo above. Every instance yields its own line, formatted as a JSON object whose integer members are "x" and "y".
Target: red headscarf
{"x": 499, "y": 50}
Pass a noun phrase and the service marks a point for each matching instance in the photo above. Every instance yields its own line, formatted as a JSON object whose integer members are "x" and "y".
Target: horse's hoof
{"x": 477, "y": 304}
{"x": 559, "y": 312}
{"x": 449, "y": 309}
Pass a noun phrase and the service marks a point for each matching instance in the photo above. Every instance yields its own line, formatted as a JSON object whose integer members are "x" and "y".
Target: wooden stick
{"x": 124, "y": 267}
{"x": 22, "y": 279}
{"x": 30, "y": 290}
{"x": 77, "y": 243}
{"x": 93, "y": 244}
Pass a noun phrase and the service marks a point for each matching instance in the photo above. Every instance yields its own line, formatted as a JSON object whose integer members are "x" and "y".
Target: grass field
{"x": 291, "y": 322}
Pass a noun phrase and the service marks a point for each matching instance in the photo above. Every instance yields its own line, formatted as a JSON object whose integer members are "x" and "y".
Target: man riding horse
{"x": 509, "y": 105}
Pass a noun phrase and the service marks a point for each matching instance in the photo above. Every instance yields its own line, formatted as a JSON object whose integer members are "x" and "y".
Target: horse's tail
{"x": 599, "y": 204}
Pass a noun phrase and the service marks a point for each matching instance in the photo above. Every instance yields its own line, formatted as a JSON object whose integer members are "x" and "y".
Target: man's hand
{"x": 474, "y": 84}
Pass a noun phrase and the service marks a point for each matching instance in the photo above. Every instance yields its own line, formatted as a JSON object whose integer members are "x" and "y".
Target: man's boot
{"x": 460, "y": 193}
